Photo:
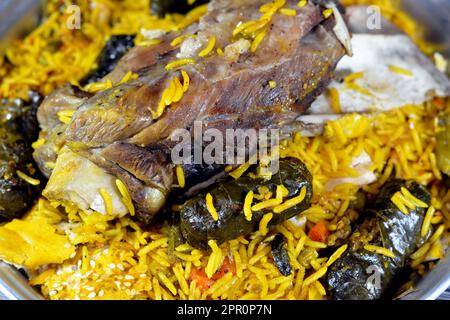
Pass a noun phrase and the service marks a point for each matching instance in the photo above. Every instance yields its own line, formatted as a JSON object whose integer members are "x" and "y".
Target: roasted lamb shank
{"x": 266, "y": 64}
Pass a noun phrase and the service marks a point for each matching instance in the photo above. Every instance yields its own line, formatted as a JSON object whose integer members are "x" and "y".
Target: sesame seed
{"x": 87, "y": 274}
{"x": 129, "y": 277}
{"x": 101, "y": 293}
{"x": 92, "y": 295}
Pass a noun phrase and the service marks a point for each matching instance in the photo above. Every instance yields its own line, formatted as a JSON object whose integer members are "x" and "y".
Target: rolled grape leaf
{"x": 198, "y": 226}
{"x": 18, "y": 129}
{"x": 280, "y": 255}
{"x": 363, "y": 275}
{"x": 163, "y": 7}
{"x": 115, "y": 48}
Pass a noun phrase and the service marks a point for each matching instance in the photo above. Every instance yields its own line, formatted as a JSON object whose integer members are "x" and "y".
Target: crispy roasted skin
{"x": 65, "y": 98}
{"x": 298, "y": 53}
{"x": 115, "y": 128}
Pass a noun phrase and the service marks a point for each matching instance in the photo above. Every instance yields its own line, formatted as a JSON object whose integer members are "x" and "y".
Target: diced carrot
{"x": 203, "y": 283}
{"x": 439, "y": 102}
{"x": 226, "y": 267}
{"x": 319, "y": 232}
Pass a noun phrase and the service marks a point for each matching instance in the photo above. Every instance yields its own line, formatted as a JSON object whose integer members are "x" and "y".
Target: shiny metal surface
{"x": 434, "y": 15}
{"x": 18, "y": 16}
{"x": 434, "y": 284}
{"x": 14, "y": 286}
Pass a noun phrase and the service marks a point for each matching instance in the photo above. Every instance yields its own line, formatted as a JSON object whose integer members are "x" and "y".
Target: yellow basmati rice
{"x": 427, "y": 221}
{"x": 336, "y": 255}
{"x": 266, "y": 204}
{"x": 126, "y": 198}
{"x": 209, "y": 47}
{"x": 185, "y": 80}
{"x": 180, "y": 176}
{"x": 210, "y": 207}
{"x": 400, "y": 71}
{"x": 290, "y": 202}
{"x": 27, "y": 178}
{"x": 117, "y": 259}
{"x": 379, "y": 250}
{"x": 327, "y": 13}
{"x": 248, "y": 206}
{"x": 302, "y": 3}
{"x": 107, "y": 200}
{"x": 288, "y": 12}
{"x": 264, "y": 222}
{"x": 413, "y": 199}
{"x": 315, "y": 276}
{"x": 179, "y": 63}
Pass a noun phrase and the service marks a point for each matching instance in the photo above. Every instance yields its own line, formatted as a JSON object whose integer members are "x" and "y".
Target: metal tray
{"x": 20, "y": 16}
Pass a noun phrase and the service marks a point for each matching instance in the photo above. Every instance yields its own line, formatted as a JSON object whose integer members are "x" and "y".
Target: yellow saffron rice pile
{"x": 118, "y": 259}
{"x": 54, "y": 53}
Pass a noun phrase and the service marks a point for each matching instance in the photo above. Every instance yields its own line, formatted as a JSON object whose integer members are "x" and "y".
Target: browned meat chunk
{"x": 117, "y": 128}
